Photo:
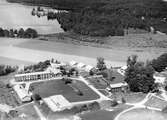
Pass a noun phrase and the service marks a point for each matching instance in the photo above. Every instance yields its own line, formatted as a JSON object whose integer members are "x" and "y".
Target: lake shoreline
{"x": 41, "y": 5}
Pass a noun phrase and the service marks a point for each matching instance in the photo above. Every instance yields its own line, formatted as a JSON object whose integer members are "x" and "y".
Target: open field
{"x": 104, "y": 114}
{"x": 132, "y": 40}
{"x": 129, "y": 97}
{"x": 116, "y": 53}
{"x": 13, "y": 62}
{"x": 33, "y": 50}
{"x": 29, "y": 111}
{"x": 8, "y": 97}
{"x": 143, "y": 114}
{"x": 57, "y": 87}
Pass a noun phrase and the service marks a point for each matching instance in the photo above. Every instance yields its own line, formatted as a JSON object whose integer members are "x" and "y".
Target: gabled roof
{"x": 73, "y": 63}
{"x": 81, "y": 65}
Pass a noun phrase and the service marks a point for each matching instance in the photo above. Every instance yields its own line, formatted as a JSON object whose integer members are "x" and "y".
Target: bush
{"x": 41, "y": 66}
{"x": 114, "y": 103}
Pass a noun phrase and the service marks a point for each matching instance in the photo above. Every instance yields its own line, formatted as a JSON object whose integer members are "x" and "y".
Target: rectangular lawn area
{"x": 58, "y": 87}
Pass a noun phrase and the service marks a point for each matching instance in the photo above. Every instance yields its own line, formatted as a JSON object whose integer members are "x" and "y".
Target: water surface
{"x": 14, "y": 15}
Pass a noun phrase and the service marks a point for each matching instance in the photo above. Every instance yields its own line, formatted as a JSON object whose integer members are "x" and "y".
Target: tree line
{"x": 107, "y": 17}
{"x": 21, "y": 33}
{"x": 7, "y": 69}
{"x": 138, "y": 75}
{"x": 113, "y": 17}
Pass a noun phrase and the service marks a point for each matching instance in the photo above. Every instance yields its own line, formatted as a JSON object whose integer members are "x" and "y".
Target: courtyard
{"x": 76, "y": 91}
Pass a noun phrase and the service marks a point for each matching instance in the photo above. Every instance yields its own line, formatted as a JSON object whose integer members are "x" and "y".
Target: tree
{"x": 20, "y": 33}
{"x": 36, "y": 97}
{"x": 1, "y": 32}
{"x": 139, "y": 76}
{"x": 30, "y": 33}
{"x": 160, "y": 63}
{"x": 101, "y": 64}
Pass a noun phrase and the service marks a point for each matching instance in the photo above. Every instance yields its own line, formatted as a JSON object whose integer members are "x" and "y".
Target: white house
{"x": 80, "y": 65}
{"x": 73, "y": 63}
{"x": 88, "y": 68}
{"x": 23, "y": 95}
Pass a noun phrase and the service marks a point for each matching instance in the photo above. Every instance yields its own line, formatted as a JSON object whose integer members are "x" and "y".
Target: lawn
{"x": 57, "y": 87}
{"x": 104, "y": 114}
{"x": 143, "y": 114}
{"x": 98, "y": 82}
{"x": 13, "y": 62}
{"x": 130, "y": 97}
{"x": 29, "y": 111}
{"x": 7, "y": 97}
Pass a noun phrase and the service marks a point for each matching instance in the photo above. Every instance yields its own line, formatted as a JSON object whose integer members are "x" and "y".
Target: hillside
{"x": 108, "y": 17}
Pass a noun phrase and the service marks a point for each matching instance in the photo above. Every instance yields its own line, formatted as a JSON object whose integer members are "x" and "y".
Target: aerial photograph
{"x": 83, "y": 59}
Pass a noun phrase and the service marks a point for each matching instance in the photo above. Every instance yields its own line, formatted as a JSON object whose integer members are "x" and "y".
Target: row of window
{"x": 34, "y": 77}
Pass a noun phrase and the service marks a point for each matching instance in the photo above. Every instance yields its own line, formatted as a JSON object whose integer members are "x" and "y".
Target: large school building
{"x": 34, "y": 76}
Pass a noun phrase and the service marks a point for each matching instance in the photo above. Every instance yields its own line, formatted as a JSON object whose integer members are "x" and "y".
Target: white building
{"x": 81, "y": 65}
{"x": 88, "y": 68}
{"x": 73, "y": 63}
{"x": 160, "y": 77}
{"x": 27, "y": 77}
{"x": 57, "y": 103}
{"x": 117, "y": 87}
{"x": 23, "y": 95}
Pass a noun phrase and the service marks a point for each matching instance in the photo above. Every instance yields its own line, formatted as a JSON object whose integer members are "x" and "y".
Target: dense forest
{"x": 107, "y": 17}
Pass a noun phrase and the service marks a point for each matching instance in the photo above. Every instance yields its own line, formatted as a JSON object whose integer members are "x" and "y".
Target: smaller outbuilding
{"x": 23, "y": 95}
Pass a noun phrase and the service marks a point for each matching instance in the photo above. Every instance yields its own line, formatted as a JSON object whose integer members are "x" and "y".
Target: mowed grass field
{"x": 13, "y": 62}
{"x": 104, "y": 114}
{"x": 143, "y": 114}
{"x": 58, "y": 87}
{"x": 118, "y": 53}
{"x": 29, "y": 111}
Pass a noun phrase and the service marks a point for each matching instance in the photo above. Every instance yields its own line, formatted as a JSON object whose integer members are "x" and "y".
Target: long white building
{"x": 27, "y": 77}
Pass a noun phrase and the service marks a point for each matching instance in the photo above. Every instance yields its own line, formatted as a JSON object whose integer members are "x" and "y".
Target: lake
{"x": 14, "y": 15}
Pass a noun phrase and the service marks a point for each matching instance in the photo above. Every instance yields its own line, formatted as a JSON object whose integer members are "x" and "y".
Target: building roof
{"x": 81, "y": 65}
{"x": 53, "y": 70}
{"x": 21, "y": 92}
{"x": 57, "y": 102}
{"x": 73, "y": 63}
{"x": 33, "y": 73}
{"x": 117, "y": 85}
{"x": 88, "y": 68}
